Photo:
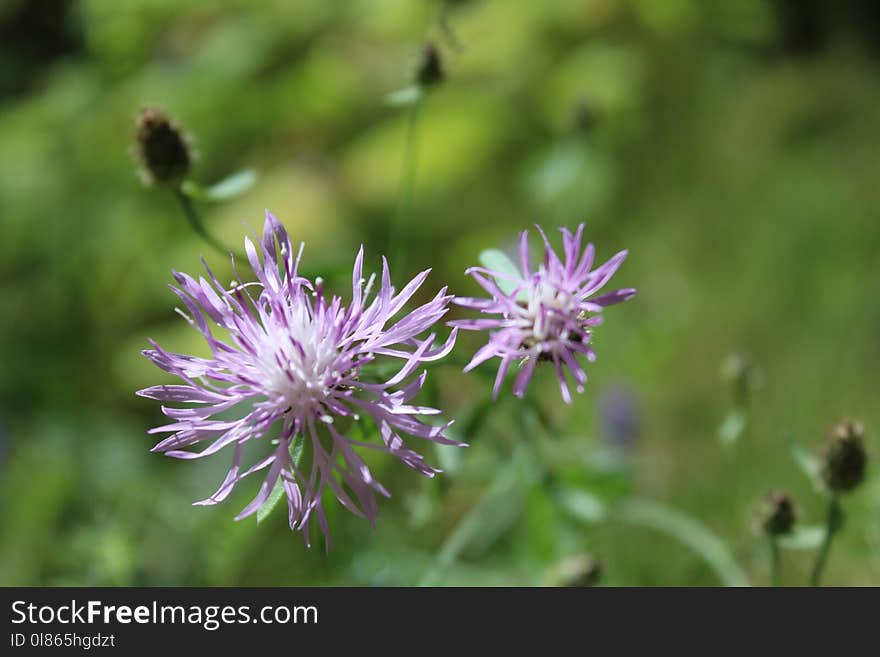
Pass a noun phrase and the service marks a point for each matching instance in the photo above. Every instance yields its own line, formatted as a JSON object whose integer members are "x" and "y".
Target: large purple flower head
{"x": 543, "y": 314}
{"x": 290, "y": 366}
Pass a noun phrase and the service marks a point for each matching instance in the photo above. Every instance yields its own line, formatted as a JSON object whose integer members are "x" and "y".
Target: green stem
{"x": 195, "y": 222}
{"x": 447, "y": 29}
{"x": 775, "y": 562}
{"x": 832, "y": 525}
{"x": 399, "y": 226}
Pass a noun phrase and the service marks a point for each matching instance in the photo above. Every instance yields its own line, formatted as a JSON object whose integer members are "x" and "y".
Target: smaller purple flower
{"x": 543, "y": 315}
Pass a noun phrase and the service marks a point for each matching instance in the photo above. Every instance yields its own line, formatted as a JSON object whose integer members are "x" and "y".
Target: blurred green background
{"x": 731, "y": 146}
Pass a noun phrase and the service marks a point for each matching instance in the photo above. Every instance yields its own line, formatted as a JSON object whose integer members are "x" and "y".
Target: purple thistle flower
{"x": 294, "y": 360}
{"x": 543, "y": 315}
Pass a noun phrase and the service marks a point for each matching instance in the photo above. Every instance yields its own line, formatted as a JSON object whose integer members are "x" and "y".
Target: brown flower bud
{"x": 845, "y": 458}
{"x": 430, "y": 71}
{"x": 779, "y": 515}
{"x": 161, "y": 148}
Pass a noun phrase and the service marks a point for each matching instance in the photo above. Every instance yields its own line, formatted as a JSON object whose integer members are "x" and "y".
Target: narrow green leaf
{"x": 808, "y": 537}
{"x": 733, "y": 426}
{"x": 583, "y": 505}
{"x": 296, "y": 452}
{"x": 270, "y": 504}
{"x": 228, "y": 188}
{"x": 559, "y": 171}
{"x": 806, "y": 462}
{"x": 498, "y": 261}
{"x": 404, "y": 97}
{"x": 689, "y": 532}
{"x": 491, "y": 517}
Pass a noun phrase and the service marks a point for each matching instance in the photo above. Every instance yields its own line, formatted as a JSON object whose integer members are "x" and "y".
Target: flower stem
{"x": 399, "y": 226}
{"x": 775, "y": 562}
{"x": 195, "y": 222}
{"x": 447, "y": 29}
{"x": 833, "y": 522}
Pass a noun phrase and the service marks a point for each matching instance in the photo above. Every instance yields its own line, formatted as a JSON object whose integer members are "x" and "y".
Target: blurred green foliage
{"x": 731, "y": 146}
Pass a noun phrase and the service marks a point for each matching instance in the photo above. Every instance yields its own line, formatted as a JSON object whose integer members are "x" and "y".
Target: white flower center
{"x": 300, "y": 363}
{"x": 546, "y": 310}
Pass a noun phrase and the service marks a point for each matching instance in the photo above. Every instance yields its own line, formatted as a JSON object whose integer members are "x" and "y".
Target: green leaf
{"x": 558, "y": 172}
{"x": 733, "y": 427}
{"x": 230, "y": 187}
{"x": 498, "y": 261}
{"x": 807, "y": 537}
{"x": 583, "y": 505}
{"x": 491, "y": 517}
{"x": 405, "y": 97}
{"x": 296, "y": 452}
{"x": 270, "y": 504}
{"x": 806, "y": 462}
{"x": 689, "y": 532}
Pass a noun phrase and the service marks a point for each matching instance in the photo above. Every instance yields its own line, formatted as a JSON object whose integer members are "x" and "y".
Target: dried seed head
{"x": 779, "y": 515}
{"x": 162, "y": 148}
{"x": 430, "y": 71}
{"x": 846, "y": 458}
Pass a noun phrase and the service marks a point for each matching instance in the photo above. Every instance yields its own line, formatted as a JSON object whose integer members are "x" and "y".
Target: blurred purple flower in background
{"x": 619, "y": 418}
{"x": 293, "y": 361}
{"x": 543, "y": 315}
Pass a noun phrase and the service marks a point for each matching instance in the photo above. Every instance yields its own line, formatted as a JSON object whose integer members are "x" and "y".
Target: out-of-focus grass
{"x": 733, "y": 155}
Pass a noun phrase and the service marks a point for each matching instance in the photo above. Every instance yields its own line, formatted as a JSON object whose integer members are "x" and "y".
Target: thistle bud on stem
{"x": 843, "y": 469}
{"x": 845, "y": 461}
{"x": 162, "y": 149}
{"x": 778, "y": 518}
{"x": 779, "y": 515}
{"x": 430, "y": 71}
